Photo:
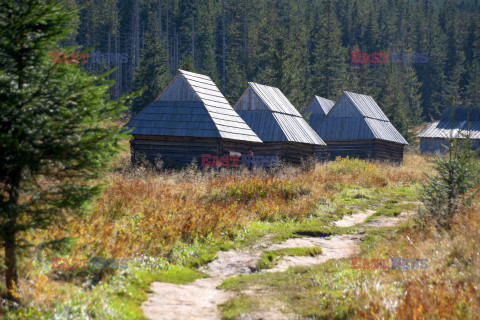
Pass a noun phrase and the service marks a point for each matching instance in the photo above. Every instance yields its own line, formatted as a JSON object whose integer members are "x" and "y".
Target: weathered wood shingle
{"x": 192, "y": 106}
{"x": 465, "y": 121}
{"x": 272, "y": 117}
{"x": 357, "y": 117}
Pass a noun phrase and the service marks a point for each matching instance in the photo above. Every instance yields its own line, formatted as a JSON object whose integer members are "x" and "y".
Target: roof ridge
{"x": 277, "y": 99}
{"x": 203, "y": 102}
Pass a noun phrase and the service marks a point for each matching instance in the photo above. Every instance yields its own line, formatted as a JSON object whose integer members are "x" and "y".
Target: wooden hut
{"x": 457, "y": 122}
{"x": 189, "y": 118}
{"x": 276, "y": 121}
{"x": 356, "y": 127}
{"x": 317, "y": 110}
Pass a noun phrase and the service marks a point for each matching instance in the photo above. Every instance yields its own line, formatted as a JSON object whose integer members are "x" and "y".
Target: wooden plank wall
{"x": 184, "y": 150}
{"x": 299, "y": 152}
{"x": 389, "y": 151}
{"x": 225, "y": 146}
{"x": 180, "y": 150}
{"x": 361, "y": 149}
{"x": 428, "y": 145}
{"x": 289, "y": 152}
{"x": 439, "y": 145}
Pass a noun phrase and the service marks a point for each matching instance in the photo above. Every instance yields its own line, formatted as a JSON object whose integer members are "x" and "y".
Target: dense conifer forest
{"x": 415, "y": 57}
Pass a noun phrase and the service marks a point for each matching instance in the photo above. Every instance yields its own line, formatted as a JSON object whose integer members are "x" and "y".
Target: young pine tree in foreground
{"x": 56, "y": 130}
{"x": 454, "y": 186}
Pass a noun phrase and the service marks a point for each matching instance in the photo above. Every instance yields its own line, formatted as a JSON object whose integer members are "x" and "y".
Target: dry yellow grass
{"x": 145, "y": 212}
{"x": 447, "y": 289}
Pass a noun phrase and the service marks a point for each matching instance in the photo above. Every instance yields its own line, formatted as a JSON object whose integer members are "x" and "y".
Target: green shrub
{"x": 453, "y": 186}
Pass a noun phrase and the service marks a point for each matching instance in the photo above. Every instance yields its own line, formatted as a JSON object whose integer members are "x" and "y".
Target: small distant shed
{"x": 189, "y": 118}
{"x": 278, "y": 124}
{"x": 456, "y": 122}
{"x": 317, "y": 110}
{"x": 356, "y": 127}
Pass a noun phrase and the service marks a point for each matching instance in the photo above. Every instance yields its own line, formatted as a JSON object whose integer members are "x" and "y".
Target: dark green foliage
{"x": 303, "y": 47}
{"x": 56, "y": 130}
{"x": 187, "y": 64}
{"x": 329, "y": 69}
{"x": 400, "y": 99}
{"x": 454, "y": 185}
{"x": 152, "y": 72}
{"x": 473, "y": 55}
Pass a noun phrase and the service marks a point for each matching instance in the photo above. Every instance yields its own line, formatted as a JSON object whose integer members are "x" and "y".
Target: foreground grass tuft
{"x": 238, "y": 306}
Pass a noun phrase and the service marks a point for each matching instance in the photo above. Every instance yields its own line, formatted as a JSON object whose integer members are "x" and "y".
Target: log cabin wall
{"x": 439, "y": 145}
{"x": 180, "y": 150}
{"x": 363, "y": 149}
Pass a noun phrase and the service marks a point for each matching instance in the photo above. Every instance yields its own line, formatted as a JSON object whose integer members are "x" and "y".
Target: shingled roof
{"x": 192, "y": 106}
{"x": 357, "y": 117}
{"x": 272, "y": 117}
{"x": 465, "y": 120}
{"x": 317, "y": 109}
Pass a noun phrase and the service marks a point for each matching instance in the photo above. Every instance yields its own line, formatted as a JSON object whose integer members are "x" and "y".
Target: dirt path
{"x": 388, "y": 221}
{"x": 335, "y": 247}
{"x": 356, "y": 218}
{"x": 199, "y": 300}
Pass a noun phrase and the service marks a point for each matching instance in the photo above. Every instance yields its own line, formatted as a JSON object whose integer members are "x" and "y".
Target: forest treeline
{"x": 429, "y": 50}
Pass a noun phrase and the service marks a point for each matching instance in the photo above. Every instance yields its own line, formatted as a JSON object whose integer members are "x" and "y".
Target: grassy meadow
{"x": 169, "y": 223}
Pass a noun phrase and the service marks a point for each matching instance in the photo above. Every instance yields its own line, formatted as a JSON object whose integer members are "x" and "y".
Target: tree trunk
{"x": 10, "y": 242}
{"x": 245, "y": 39}
{"x": 193, "y": 41}
{"x": 11, "y": 276}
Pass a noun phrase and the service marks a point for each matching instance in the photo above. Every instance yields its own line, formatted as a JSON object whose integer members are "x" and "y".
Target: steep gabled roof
{"x": 318, "y": 108}
{"x": 465, "y": 121}
{"x": 192, "y": 106}
{"x": 357, "y": 117}
{"x": 272, "y": 117}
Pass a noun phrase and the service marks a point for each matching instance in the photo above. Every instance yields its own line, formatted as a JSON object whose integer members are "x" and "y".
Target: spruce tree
{"x": 453, "y": 186}
{"x": 205, "y": 39}
{"x": 400, "y": 98}
{"x": 56, "y": 129}
{"x": 473, "y": 86}
{"x": 152, "y": 73}
{"x": 281, "y": 61}
{"x": 329, "y": 68}
{"x": 235, "y": 72}
{"x": 187, "y": 64}
{"x": 361, "y": 77}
